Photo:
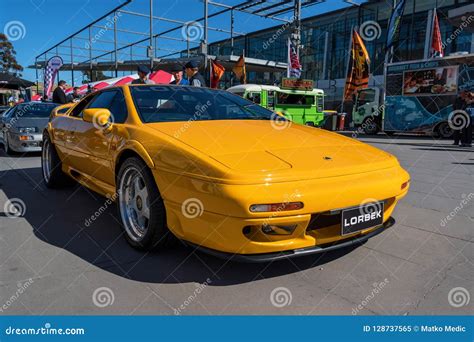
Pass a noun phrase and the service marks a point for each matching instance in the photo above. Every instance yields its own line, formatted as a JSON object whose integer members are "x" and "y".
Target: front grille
{"x": 322, "y": 220}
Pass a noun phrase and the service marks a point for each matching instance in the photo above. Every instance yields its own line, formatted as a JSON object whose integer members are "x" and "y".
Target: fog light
{"x": 272, "y": 207}
{"x": 273, "y": 229}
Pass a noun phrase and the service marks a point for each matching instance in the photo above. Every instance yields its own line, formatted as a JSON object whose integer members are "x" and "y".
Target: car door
{"x": 63, "y": 130}
{"x": 92, "y": 144}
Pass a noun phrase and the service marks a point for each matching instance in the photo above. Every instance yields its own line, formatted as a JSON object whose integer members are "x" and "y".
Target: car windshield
{"x": 169, "y": 104}
{"x": 35, "y": 110}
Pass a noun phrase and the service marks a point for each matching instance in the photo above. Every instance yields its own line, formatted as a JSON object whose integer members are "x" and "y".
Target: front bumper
{"x": 266, "y": 257}
{"x": 33, "y": 144}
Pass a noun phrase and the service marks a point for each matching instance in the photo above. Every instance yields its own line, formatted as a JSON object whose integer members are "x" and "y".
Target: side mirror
{"x": 99, "y": 117}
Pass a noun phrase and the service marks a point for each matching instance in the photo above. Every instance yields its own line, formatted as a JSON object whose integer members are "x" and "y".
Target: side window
{"x": 118, "y": 108}
{"x": 77, "y": 110}
{"x": 103, "y": 100}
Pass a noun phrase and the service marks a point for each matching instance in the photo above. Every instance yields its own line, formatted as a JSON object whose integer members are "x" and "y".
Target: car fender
{"x": 136, "y": 147}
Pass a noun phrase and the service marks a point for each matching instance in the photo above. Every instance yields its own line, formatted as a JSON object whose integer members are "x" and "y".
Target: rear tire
{"x": 141, "y": 207}
{"x": 443, "y": 131}
{"x": 51, "y": 166}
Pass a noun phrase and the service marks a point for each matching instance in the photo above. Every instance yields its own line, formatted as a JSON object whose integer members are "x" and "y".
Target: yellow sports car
{"x": 221, "y": 173}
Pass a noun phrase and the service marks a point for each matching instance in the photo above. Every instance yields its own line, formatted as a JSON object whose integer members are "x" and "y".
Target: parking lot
{"x": 421, "y": 265}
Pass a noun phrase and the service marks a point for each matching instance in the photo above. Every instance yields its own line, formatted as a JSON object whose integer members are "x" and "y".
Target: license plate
{"x": 366, "y": 216}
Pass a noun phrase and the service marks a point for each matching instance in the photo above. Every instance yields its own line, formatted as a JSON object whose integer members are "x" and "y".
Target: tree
{"x": 8, "y": 62}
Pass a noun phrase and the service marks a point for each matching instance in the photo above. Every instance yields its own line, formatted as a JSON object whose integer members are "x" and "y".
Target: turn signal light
{"x": 275, "y": 207}
{"x": 25, "y": 137}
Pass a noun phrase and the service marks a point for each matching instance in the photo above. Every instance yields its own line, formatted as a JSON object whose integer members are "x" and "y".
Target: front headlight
{"x": 26, "y": 129}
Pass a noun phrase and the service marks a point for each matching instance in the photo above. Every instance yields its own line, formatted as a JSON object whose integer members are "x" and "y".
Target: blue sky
{"x": 40, "y": 24}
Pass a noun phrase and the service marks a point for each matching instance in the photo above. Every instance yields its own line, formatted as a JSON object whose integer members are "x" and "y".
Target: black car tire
{"x": 157, "y": 234}
{"x": 57, "y": 178}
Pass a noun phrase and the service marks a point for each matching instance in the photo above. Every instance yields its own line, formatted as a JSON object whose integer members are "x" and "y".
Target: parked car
{"x": 21, "y": 127}
{"x": 221, "y": 173}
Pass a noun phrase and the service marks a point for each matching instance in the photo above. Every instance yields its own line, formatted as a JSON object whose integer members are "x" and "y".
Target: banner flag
{"x": 358, "y": 72}
{"x": 239, "y": 69}
{"x": 217, "y": 71}
{"x": 436, "y": 42}
{"x": 50, "y": 72}
{"x": 394, "y": 23}
{"x": 294, "y": 65}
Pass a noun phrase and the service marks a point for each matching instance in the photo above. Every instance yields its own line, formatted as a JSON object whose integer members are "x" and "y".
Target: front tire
{"x": 51, "y": 166}
{"x": 141, "y": 206}
{"x": 6, "y": 145}
{"x": 370, "y": 126}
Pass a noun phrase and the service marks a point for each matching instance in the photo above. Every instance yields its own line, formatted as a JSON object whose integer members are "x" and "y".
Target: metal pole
{"x": 72, "y": 63}
{"x": 115, "y": 43}
{"x": 325, "y": 57}
{"x": 36, "y": 72}
{"x": 297, "y": 20}
{"x": 231, "y": 32}
{"x": 206, "y": 13}
{"x": 151, "y": 50}
{"x": 90, "y": 55}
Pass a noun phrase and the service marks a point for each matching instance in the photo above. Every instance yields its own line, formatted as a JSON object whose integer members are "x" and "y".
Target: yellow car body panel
{"x": 229, "y": 165}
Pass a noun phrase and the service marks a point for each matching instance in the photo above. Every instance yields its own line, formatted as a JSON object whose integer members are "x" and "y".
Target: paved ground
{"x": 50, "y": 263}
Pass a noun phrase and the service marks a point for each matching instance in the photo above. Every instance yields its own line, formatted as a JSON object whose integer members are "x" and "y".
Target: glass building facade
{"x": 326, "y": 38}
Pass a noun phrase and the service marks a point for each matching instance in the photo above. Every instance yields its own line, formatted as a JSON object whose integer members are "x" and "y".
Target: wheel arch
{"x": 134, "y": 149}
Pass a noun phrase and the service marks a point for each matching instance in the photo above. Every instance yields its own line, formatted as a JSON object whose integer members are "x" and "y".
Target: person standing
{"x": 466, "y": 132}
{"x": 143, "y": 72}
{"x": 74, "y": 96}
{"x": 194, "y": 77}
{"x": 59, "y": 96}
{"x": 177, "y": 72}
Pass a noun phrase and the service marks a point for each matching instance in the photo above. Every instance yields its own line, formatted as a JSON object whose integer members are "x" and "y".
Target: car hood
{"x": 39, "y": 123}
{"x": 260, "y": 146}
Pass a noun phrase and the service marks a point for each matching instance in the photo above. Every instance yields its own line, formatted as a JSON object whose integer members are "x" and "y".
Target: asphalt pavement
{"x": 52, "y": 262}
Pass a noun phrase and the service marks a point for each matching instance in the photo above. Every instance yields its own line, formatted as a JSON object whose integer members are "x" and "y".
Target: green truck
{"x": 297, "y": 101}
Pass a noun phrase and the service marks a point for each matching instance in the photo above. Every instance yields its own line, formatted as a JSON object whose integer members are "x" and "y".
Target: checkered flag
{"x": 50, "y": 72}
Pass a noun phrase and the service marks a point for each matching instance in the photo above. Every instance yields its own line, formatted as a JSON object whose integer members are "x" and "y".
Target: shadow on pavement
{"x": 58, "y": 218}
